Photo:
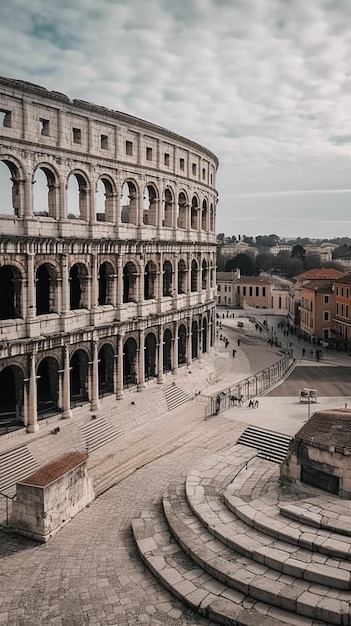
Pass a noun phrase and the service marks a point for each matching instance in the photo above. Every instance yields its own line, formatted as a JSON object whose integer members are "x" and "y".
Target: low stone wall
{"x": 49, "y": 498}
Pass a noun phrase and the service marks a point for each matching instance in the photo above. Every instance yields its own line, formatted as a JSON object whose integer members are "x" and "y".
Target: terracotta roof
{"x": 56, "y": 468}
{"x": 344, "y": 280}
{"x": 319, "y": 285}
{"x": 329, "y": 428}
{"x": 246, "y": 280}
{"x": 322, "y": 273}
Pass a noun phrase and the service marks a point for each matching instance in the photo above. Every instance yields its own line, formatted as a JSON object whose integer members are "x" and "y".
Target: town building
{"x": 317, "y": 310}
{"x": 259, "y": 292}
{"x": 294, "y": 298}
{"x": 342, "y": 312}
{"x": 107, "y": 254}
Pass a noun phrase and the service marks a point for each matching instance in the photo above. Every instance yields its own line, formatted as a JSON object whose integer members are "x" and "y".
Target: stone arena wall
{"x": 107, "y": 253}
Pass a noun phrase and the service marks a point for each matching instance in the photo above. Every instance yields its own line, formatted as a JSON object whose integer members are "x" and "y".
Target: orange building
{"x": 342, "y": 312}
{"x": 317, "y": 310}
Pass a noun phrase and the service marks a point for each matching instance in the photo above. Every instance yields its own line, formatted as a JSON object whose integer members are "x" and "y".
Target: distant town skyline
{"x": 264, "y": 84}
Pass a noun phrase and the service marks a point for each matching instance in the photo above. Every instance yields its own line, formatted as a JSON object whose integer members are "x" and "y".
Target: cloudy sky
{"x": 265, "y": 84}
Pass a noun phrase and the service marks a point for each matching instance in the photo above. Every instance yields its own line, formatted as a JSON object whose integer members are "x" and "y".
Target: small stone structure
{"x": 51, "y": 496}
{"x": 320, "y": 452}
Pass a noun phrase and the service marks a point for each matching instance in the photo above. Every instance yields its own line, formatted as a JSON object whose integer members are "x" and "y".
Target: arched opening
{"x": 105, "y": 284}
{"x": 204, "y": 335}
{"x": 181, "y": 344}
{"x": 194, "y": 272}
{"x": 204, "y": 215}
{"x": 194, "y": 213}
{"x": 46, "y": 285}
{"x": 212, "y": 220}
{"x": 106, "y": 362}
{"x": 11, "y": 398}
{"x": 182, "y": 206}
{"x": 150, "y": 356}
{"x": 150, "y": 206}
{"x": 129, "y": 203}
{"x": 168, "y": 209}
{"x": 130, "y": 362}
{"x": 79, "y": 377}
{"x": 194, "y": 339}
{"x": 167, "y": 289}
{"x": 44, "y": 193}
{"x": 77, "y": 197}
{"x": 78, "y": 292}
{"x": 150, "y": 276}
{"x": 10, "y": 191}
{"x": 47, "y": 387}
{"x": 129, "y": 282}
{"x": 104, "y": 200}
{"x": 167, "y": 350}
{"x": 10, "y": 290}
{"x": 182, "y": 272}
{"x": 204, "y": 275}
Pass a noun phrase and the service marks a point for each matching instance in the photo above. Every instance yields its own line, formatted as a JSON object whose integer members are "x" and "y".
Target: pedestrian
{"x": 218, "y": 404}
{"x": 303, "y": 351}
{"x": 238, "y": 343}
{"x": 256, "y": 404}
{"x": 234, "y": 353}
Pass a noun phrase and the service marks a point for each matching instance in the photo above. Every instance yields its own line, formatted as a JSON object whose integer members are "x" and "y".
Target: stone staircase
{"x": 270, "y": 445}
{"x": 229, "y": 544}
{"x": 14, "y": 466}
{"x": 99, "y": 432}
{"x": 175, "y": 396}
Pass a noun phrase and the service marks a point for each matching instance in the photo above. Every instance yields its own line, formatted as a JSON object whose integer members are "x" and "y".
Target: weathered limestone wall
{"x": 50, "y": 497}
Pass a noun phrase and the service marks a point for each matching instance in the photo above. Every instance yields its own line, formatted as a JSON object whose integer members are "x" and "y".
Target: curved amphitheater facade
{"x": 107, "y": 262}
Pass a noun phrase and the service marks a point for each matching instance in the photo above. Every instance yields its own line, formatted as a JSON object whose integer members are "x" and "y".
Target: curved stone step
{"x": 247, "y": 576}
{"x": 320, "y": 513}
{"x": 264, "y": 518}
{"x": 196, "y": 588}
{"x": 262, "y": 548}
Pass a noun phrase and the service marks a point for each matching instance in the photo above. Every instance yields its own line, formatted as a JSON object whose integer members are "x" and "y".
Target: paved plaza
{"x": 90, "y": 572}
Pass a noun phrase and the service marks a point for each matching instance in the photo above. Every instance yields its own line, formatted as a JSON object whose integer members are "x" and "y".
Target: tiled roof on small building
{"x": 319, "y": 285}
{"x": 328, "y": 428}
{"x": 322, "y": 273}
{"x": 344, "y": 280}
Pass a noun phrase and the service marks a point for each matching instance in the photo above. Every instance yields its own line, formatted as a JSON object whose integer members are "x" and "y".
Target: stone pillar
{"x": 31, "y": 311}
{"x": 175, "y": 277}
{"x": 141, "y": 361}
{"x": 188, "y": 286}
{"x": 160, "y": 356}
{"x": 66, "y": 392}
{"x": 175, "y": 354}
{"x": 188, "y": 343}
{"x": 95, "y": 378}
{"x": 160, "y": 278}
{"x": 32, "y": 425}
{"x": 119, "y": 280}
{"x": 94, "y": 282}
{"x": 63, "y": 186}
{"x": 65, "y": 285}
{"x": 119, "y": 389}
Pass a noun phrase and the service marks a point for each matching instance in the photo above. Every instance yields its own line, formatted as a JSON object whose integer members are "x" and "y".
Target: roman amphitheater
{"x": 107, "y": 262}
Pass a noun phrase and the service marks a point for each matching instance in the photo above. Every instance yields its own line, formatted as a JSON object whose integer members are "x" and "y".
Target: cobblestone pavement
{"x": 90, "y": 572}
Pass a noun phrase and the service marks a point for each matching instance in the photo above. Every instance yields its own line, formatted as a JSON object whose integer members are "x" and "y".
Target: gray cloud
{"x": 265, "y": 85}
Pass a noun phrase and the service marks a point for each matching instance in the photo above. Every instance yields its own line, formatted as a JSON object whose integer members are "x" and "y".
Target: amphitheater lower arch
{"x": 106, "y": 383}
{"x": 47, "y": 387}
{"x": 182, "y": 344}
{"x": 150, "y": 356}
{"x": 130, "y": 362}
{"x": 194, "y": 339}
{"x": 167, "y": 350}
{"x": 11, "y": 291}
{"x": 11, "y": 397}
{"x": 79, "y": 377}
{"x": 46, "y": 289}
{"x": 79, "y": 296}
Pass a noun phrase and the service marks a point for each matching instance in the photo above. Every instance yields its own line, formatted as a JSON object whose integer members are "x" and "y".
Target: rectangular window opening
{"x": 193, "y": 169}
{"x": 77, "y": 135}
{"x": 149, "y": 154}
{"x": 5, "y": 119}
{"x": 44, "y": 126}
{"x": 203, "y": 174}
{"x": 166, "y": 158}
{"x": 104, "y": 142}
{"x": 182, "y": 165}
{"x": 129, "y": 148}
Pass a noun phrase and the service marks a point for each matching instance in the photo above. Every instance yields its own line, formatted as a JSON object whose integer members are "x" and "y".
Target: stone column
{"x": 31, "y": 311}
{"x": 119, "y": 386}
{"x": 32, "y": 425}
{"x": 95, "y": 379}
{"x": 66, "y": 391}
{"x": 160, "y": 278}
{"x": 160, "y": 356}
{"x": 65, "y": 285}
{"x": 175, "y": 277}
{"x": 94, "y": 282}
{"x": 119, "y": 280}
{"x": 175, "y": 354}
{"x": 188, "y": 342}
{"x": 141, "y": 361}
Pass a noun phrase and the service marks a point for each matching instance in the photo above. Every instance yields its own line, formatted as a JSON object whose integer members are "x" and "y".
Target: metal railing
{"x": 250, "y": 387}
{"x": 7, "y": 500}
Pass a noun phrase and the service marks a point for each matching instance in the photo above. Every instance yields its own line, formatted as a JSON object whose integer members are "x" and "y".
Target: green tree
{"x": 242, "y": 262}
